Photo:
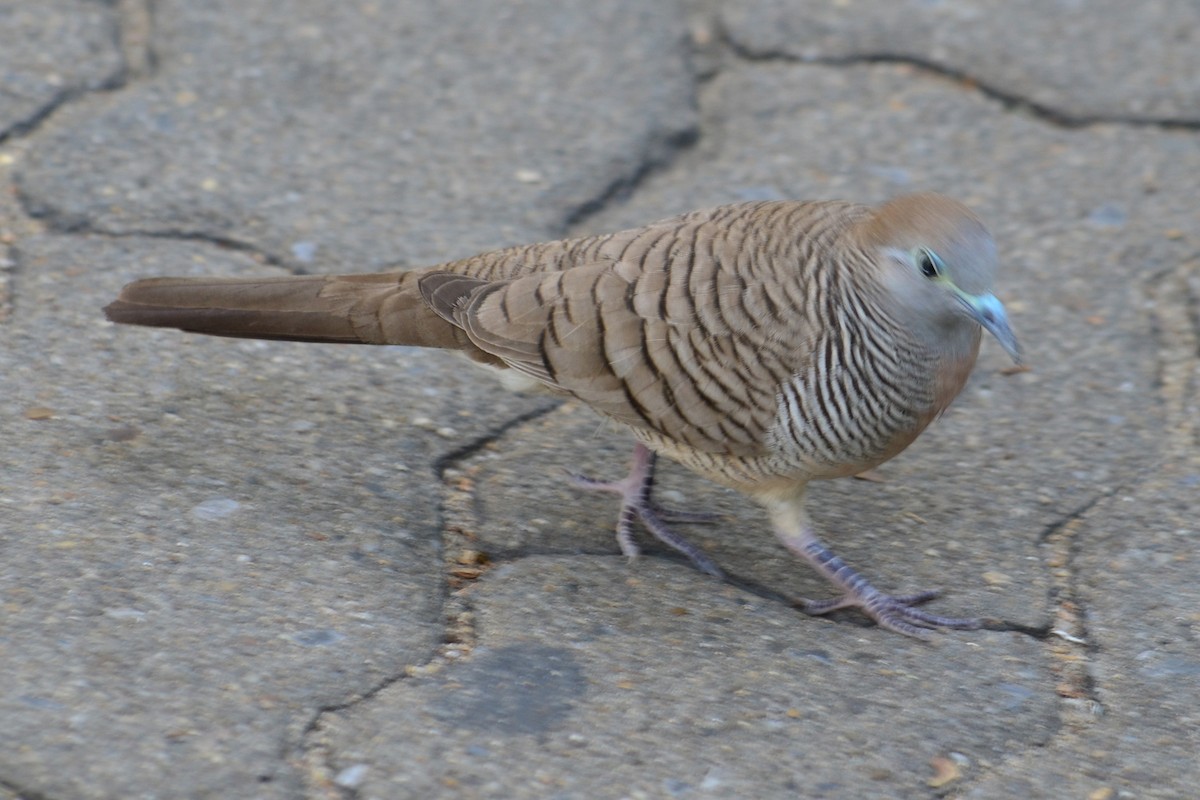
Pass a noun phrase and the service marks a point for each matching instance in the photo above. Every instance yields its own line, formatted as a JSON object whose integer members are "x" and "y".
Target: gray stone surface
{"x": 732, "y": 698}
{"x": 1140, "y": 548}
{"x": 200, "y": 549}
{"x": 1136, "y": 562}
{"x": 50, "y": 52}
{"x": 388, "y": 132}
{"x": 1075, "y": 60}
{"x": 245, "y": 569}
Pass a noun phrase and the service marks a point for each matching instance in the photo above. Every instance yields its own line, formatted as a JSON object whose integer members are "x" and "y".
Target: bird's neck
{"x": 946, "y": 348}
{"x": 956, "y": 358}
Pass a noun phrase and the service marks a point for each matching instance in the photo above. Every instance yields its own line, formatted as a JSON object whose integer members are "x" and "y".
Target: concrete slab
{"x": 1136, "y": 576}
{"x": 50, "y": 52}
{"x": 379, "y": 134}
{"x": 1071, "y": 60}
{"x": 578, "y": 690}
{"x": 202, "y": 546}
{"x": 184, "y": 580}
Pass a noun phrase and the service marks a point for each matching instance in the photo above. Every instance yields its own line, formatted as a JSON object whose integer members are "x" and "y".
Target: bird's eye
{"x": 929, "y": 264}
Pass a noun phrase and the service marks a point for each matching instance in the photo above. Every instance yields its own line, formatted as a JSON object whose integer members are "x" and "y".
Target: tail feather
{"x": 285, "y": 308}
{"x": 376, "y": 308}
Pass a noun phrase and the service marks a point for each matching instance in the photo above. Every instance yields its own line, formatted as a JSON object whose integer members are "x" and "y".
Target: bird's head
{"x": 938, "y": 262}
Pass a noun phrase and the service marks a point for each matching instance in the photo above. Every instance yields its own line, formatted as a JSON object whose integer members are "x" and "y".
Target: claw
{"x": 635, "y": 490}
{"x": 894, "y": 613}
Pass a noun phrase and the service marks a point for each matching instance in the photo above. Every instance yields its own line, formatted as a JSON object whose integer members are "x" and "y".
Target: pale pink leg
{"x": 895, "y": 613}
{"x": 636, "y": 504}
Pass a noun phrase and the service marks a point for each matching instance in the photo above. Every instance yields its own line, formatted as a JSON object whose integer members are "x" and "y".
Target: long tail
{"x": 374, "y": 308}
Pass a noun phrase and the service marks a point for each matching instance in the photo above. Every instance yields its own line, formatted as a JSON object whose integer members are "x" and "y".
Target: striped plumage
{"x": 762, "y": 345}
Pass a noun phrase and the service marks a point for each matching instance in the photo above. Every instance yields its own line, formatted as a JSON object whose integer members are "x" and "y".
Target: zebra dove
{"x": 763, "y": 345}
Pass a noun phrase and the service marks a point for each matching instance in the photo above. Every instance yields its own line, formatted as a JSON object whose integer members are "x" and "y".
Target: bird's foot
{"x": 636, "y": 504}
{"x": 896, "y": 613}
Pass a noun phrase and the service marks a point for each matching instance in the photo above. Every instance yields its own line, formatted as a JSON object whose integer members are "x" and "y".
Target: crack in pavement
{"x": 55, "y": 224}
{"x": 457, "y": 613}
{"x": 34, "y": 121}
{"x": 132, "y": 67}
{"x": 463, "y": 563}
{"x": 21, "y": 793}
{"x": 127, "y": 39}
{"x": 659, "y": 157}
{"x": 1012, "y": 101}
{"x": 8, "y": 270}
{"x": 1175, "y": 314}
{"x": 465, "y": 451}
{"x": 1071, "y": 648}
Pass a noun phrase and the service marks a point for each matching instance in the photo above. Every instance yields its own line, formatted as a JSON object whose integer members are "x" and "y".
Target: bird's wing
{"x": 638, "y": 345}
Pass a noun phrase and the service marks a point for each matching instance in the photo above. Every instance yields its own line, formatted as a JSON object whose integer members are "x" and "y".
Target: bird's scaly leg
{"x": 636, "y": 504}
{"x": 897, "y": 613}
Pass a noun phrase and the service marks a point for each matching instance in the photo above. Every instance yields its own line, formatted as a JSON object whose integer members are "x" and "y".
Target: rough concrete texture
{"x": 385, "y": 133}
{"x": 245, "y": 569}
{"x": 598, "y": 698}
{"x": 51, "y": 52}
{"x": 1073, "y": 60}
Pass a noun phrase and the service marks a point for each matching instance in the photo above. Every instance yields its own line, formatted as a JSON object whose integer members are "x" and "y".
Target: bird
{"x": 762, "y": 345}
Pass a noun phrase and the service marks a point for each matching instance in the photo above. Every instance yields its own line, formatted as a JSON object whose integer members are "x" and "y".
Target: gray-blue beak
{"x": 989, "y": 312}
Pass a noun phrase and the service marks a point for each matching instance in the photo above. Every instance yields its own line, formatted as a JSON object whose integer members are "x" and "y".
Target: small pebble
{"x": 124, "y": 613}
{"x": 1108, "y": 215}
{"x": 352, "y": 777}
{"x": 216, "y": 508}
{"x": 996, "y": 579}
{"x": 304, "y": 251}
{"x": 316, "y": 638}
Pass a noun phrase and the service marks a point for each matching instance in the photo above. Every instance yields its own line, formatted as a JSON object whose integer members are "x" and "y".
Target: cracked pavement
{"x": 249, "y": 569}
